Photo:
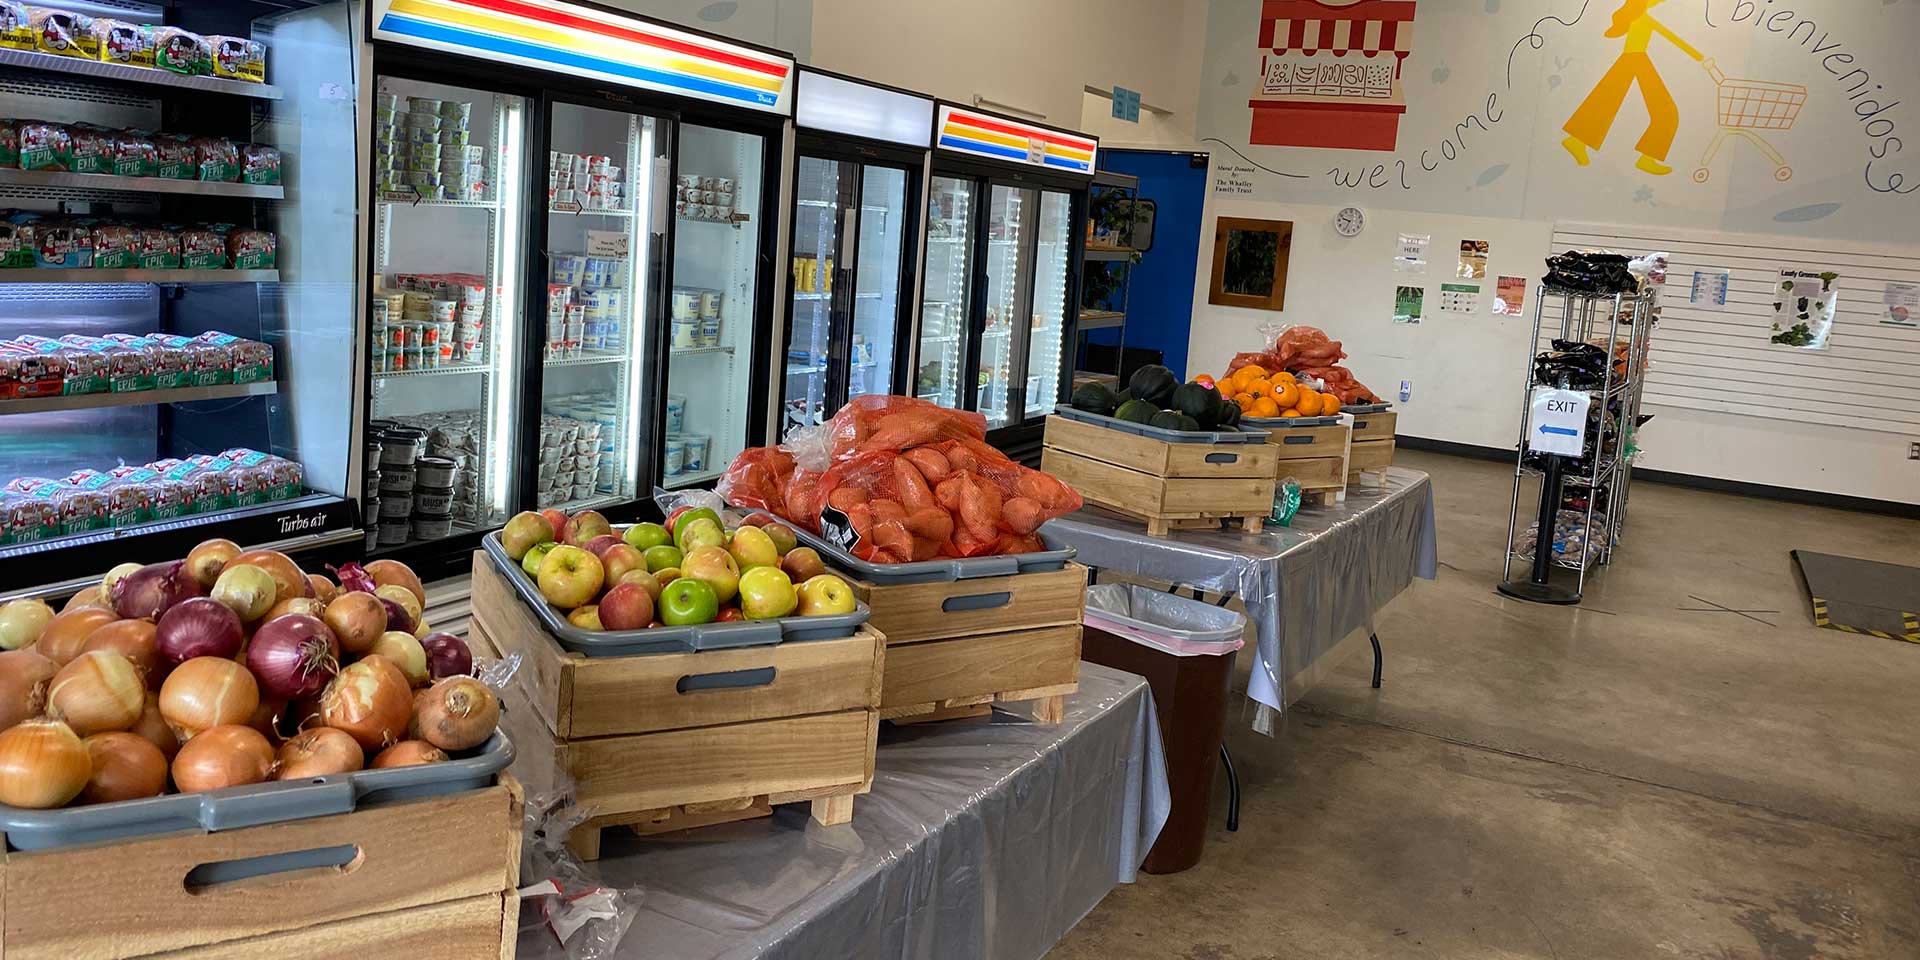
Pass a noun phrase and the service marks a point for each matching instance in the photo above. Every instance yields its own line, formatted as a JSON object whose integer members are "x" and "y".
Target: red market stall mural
{"x": 1330, "y": 74}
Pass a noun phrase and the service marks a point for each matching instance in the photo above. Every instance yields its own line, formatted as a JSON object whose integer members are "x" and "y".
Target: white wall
{"x": 1511, "y": 181}
{"x": 1037, "y": 55}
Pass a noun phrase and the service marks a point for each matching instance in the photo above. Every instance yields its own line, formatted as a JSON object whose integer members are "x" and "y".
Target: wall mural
{"x": 1575, "y": 109}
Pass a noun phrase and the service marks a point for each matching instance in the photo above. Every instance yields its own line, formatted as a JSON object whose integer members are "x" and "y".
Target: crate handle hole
{"x": 1298, "y": 439}
{"x": 1223, "y": 458}
{"x": 730, "y": 680}
{"x": 978, "y": 601}
{"x": 219, "y": 876}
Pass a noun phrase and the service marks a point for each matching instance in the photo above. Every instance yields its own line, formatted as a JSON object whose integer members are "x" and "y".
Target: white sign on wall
{"x": 1559, "y": 423}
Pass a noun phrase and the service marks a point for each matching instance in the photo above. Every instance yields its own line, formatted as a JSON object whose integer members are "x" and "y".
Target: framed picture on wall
{"x": 1250, "y": 262}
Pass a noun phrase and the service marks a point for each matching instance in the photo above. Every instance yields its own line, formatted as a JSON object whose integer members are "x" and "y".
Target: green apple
{"x": 525, "y": 530}
{"x": 766, "y": 593}
{"x": 661, "y": 557}
{"x": 680, "y": 520}
{"x": 751, "y": 547}
{"x": 536, "y": 553}
{"x": 646, "y": 536}
{"x": 825, "y": 595}
{"x": 688, "y": 601}
{"x": 699, "y": 532}
{"x": 715, "y": 566}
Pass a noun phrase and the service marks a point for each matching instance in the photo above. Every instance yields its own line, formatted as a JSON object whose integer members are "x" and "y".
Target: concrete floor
{"x": 1647, "y": 775}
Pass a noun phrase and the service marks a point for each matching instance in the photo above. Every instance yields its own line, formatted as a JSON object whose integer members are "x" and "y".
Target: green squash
{"x": 1154, "y": 384}
{"x": 1095, "y": 398}
{"x": 1173, "y": 420}
{"x": 1200, "y": 402}
{"x": 1137, "y": 411}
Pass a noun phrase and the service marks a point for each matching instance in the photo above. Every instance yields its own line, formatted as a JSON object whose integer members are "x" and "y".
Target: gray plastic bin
{"x": 705, "y": 636}
{"x": 252, "y": 806}
{"x": 1229, "y": 435}
{"x": 943, "y": 570}
{"x": 1165, "y": 621}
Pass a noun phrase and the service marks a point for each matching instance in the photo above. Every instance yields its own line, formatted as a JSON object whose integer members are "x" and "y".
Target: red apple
{"x": 668, "y": 575}
{"x": 802, "y": 564}
{"x": 524, "y": 531}
{"x": 557, "y": 519}
{"x": 628, "y": 606}
{"x": 598, "y": 545}
{"x": 783, "y": 538}
{"x": 646, "y": 580}
{"x": 582, "y": 527}
{"x": 759, "y": 520}
{"x": 717, "y": 568}
{"x": 620, "y": 558}
{"x": 729, "y": 615}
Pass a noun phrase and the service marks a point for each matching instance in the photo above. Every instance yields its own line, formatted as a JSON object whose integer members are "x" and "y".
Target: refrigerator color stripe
{"x": 619, "y": 32}
{"x": 975, "y": 146}
{"x": 1000, "y": 126}
{"x": 963, "y": 132}
{"x": 458, "y": 14}
{"x": 1053, "y": 161}
{"x": 549, "y": 57}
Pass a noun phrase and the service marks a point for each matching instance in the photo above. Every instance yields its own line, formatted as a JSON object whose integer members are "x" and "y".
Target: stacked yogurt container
{"x": 591, "y": 181}
{"x": 574, "y": 452}
{"x": 586, "y": 305}
{"x": 425, "y": 484}
{"x": 696, "y": 317}
{"x": 423, "y": 147}
{"x": 703, "y": 198}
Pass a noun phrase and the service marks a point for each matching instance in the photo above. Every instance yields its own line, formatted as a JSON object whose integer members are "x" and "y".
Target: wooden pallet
{"x": 1048, "y": 706}
{"x": 1315, "y": 457}
{"x": 433, "y": 878}
{"x": 1160, "y": 482}
{"x": 1370, "y": 456}
{"x": 641, "y": 751}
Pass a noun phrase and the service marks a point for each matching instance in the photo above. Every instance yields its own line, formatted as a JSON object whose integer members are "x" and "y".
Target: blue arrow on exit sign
{"x": 1561, "y": 431}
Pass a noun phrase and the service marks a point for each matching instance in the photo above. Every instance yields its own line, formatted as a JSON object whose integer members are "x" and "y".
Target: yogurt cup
{"x": 693, "y": 453}
{"x": 676, "y": 457}
{"x": 394, "y": 532}
{"x": 676, "y": 412}
{"x": 395, "y": 506}
{"x": 432, "y": 528}
{"x": 432, "y": 501}
{"x": 686, "y": 334}
{"x": 424, "y": 105}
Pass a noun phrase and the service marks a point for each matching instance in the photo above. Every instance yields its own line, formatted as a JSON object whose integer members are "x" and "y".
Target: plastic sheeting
{"x": 1305, "y": 587}
{"x": 978, "y": 840}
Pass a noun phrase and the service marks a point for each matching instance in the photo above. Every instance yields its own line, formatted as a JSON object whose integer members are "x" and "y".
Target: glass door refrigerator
{"x": 178, "y": 261}
{"x": 856, "y": 229}
{"x": 596, "y": 321}
{"x": 1002, "y": 268}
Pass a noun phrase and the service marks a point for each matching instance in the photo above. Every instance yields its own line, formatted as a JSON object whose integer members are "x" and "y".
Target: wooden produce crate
{"x": 651, "y": 744}
{"x": 1372, "y": 443}
{"x": 433, "y": 878}
{"x": 1169, "y": 485}
{"x": 1313, "y": 454}
{"x": 956, "y": 647}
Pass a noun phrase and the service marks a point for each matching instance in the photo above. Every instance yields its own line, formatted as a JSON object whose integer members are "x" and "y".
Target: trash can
{"x": 1185, "y": 650}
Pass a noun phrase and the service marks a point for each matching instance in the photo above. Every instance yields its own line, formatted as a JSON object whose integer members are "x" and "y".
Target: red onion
{"x": 353, "y": 577}
{"x": 293, "y": 656}
{"x": 447, "y": 655}
{"x": 201, "y": 627}
{"x": 398, "y": 617}
{"x": 152, "y": 590}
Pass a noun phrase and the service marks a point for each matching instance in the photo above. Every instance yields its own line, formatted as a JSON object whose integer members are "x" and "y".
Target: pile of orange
{"x": 1277, "y": 394}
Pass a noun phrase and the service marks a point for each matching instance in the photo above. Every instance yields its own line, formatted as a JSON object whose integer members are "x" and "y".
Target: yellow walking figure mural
{"x": 1587, "y": 129}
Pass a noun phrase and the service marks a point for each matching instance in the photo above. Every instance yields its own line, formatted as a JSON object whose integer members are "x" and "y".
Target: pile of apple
{"x": 690, "y": 570}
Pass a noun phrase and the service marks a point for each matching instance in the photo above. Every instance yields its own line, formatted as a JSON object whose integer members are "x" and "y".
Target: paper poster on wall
{"x": 1408, "y": 304}
{"x": 1903, "y": 305}
{"x": 1459, "y": 298}
{"x": 1411, "y": 256}
{"x": 1710, "y": 289}
{"x": 1473, "y": 260}
{"x": 1803, "y": 306}
{"x": 1510, "y": 296}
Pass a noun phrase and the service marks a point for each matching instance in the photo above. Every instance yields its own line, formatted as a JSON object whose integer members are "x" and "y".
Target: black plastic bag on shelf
{"x": 1582, "y": 364}
{"x": 1588, "y": 272}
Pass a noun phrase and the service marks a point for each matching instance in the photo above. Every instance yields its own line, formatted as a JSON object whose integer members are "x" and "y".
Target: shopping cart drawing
{"x": 1750, "y": 105}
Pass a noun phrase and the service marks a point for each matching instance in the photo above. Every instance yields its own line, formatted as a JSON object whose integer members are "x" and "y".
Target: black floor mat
{"x": 1861, "y": 596}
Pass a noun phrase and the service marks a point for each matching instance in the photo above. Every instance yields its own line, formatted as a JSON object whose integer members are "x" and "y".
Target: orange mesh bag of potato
{"x": 894, "y": 423}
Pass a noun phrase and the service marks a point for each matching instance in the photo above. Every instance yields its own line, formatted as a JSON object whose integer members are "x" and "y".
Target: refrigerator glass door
{"x": 944, "y": 312}
{"x": 1051, "y": 272}
{"x": 877, "y": 281}
{"x": 716, "y": 280}
{"x": 1010, "y": 232}
{"x": 447, "y": 310}
{"x": 821, "y": 194}
{"x": 601, "y": 167}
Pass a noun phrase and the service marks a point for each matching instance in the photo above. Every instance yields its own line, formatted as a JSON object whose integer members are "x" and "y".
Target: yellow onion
{"x": 43, "y": 765}
{"x": 96, "y": 693}
{"x": 221, "y": 757}
{"x": 125, "y": 767}
{"x": 207, "y": 692}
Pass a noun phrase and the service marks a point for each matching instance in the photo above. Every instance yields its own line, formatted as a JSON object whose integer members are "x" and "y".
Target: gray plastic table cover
{"x": 1305, "y": 587}
{"x": 980, "y": 839}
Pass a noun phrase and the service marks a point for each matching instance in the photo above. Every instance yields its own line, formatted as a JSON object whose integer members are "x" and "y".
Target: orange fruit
{"x": 1245, "y": 400}
{"x": 1289, "y": 413}
{"x": 1309, "y": 405}
{"x": 1287, "y": 395}
{"x": 1257, "y": 370}
{"x": 1260, "y": 388}
{"x": 1282, "y": 375}
{"x": 1329, "y": 404}
{"x": 1263, "y": 407}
